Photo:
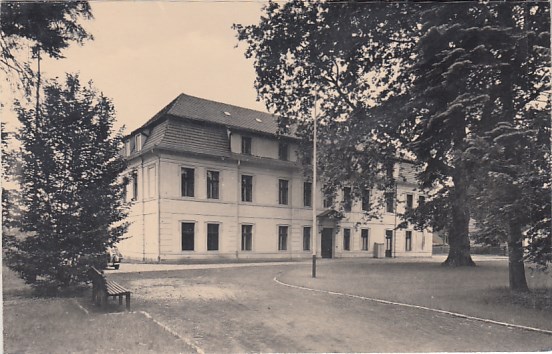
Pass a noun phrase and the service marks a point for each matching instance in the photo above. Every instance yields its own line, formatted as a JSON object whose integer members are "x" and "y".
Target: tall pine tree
{"x": 71, "y": 190}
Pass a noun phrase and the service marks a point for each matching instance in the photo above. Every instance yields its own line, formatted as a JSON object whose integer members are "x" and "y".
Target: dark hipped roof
{"x": 199, "y": 109}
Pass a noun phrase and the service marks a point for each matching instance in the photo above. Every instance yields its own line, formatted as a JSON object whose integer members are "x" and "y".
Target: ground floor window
{"x": 364, "y": 237}
{"x": 347, "y": 239}
{"x": 188, "y": 236}
{"x": 282, "y": 238}
{"x": 306, "y": 238}
{"x": 212, "y": 237}
{"x": 247, "y": 237}
{"x": 408, "y": 241}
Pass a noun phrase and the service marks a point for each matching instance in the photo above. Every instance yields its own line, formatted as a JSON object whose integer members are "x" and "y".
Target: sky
{"x": 145, "y": 53}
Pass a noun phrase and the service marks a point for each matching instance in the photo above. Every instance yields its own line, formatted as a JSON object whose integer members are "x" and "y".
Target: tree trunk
{"x": 516, "y": 267}
{"x": 459, "y": 242}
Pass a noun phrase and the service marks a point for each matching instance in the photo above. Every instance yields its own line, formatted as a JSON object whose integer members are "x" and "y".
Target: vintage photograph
{"x": 237, "y": 176}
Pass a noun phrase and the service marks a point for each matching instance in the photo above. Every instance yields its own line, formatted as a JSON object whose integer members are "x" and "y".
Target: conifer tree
{"x": 72, "y": 204}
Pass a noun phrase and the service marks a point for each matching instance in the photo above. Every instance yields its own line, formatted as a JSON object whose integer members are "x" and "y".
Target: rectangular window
{"x": 307, "y": 194}
{"x": 151, "y": 181}
{"x": 421, "y": 201}
{"x": 408, "y": 241}
{"x": 283, "y": 191}
{"x": 409, "y": 202}
{"x": 212, "y": 185}
{"x": 246, "y": 145}
{"x": 390, "y": 202}
{"x": 188, "y": 236}
{"x": 364, "y": 237}
{"x": 247, "y": 188}
{"x": 212, "y": 237}
{"x": 283, "y": 151}
{"x": 347, "y": 239}
{"x": 366, "y": 201}
{"x": 347, "y": 200}
{"x": 187, "y": 176}
{"x": 282, "y": 238}
{"x": 247, "y": 237}
{"x": 328, "y": 200}
{"x": 306, "y": 238}
{"x": 134, "y": 185}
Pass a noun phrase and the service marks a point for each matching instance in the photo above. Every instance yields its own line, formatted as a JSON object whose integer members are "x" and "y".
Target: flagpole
{"x": 314, "y": 193}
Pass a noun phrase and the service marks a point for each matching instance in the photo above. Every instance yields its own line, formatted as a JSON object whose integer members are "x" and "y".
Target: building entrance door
{"x": 327, "y": 244}
{"x": 388, "y": 243}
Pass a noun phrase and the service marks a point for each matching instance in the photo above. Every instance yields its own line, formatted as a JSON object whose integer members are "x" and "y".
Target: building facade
{"x": 211, "y": 181}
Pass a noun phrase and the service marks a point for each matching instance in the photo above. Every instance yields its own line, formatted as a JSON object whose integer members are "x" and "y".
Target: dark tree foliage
{"x": 71, "y": 190}
{"x": 9, "y": 166}
{"x": 477, "y": 64}
{"x": 45, "y": 27}
{"x": 511, "y": 192}
{"x": 346, "y": 56}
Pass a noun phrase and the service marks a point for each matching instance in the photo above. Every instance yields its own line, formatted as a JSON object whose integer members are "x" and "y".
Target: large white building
{"x": 211, "y": 180}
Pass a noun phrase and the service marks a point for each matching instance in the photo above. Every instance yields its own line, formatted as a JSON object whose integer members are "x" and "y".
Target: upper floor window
{"x": 283, "y": 151}
{"x": 212, "y": 184}
{"x": 307, "y": 194}
{"x": 187, "y": 178}
{"x": 246, "y": 145}
{"x": 409, "y": 202}
{"x": 151, "y": 181}
{"x": 134, "y": 185}
{"x": 347, "y": 200}
{"x": 247, "y": 188}
{"x": 390, "y": 202}
{"x": 328, "y": 200}
{"x": 366, "y": 200}
{"x": 346, "y": 239}
{"x": 421, "y": 200}
{"x": 283, "y": 191}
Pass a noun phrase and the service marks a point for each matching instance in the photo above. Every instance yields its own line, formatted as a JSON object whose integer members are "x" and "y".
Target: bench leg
{"x": 103, "y": 300}
{"x": 120, "y": 300}
{"x": 128, "y": 302}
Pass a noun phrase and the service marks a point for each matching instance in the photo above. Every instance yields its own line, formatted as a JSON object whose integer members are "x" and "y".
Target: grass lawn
{"x": 58, "y": 325}
{"x": 480, "y": 291}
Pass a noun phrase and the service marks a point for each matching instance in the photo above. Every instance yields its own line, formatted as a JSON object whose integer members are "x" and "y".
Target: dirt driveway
{"x": 245, "y": 310}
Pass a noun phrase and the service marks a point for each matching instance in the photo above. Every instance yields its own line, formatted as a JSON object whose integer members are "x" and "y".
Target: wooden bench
{"x": 102, "y": 288}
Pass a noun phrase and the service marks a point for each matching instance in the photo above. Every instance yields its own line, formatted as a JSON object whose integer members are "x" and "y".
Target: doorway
{"x": 327, "y": 243}
{"x": 388, "y": 243}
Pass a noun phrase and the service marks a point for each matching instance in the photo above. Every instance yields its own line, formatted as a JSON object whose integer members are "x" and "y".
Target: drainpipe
{"x": 143, "y": 211}
{"x": 158, "y": 175}
{"x": 238, "y": 196}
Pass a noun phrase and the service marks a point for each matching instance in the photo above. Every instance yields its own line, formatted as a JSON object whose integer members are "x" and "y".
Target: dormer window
{"x": 283, "y": 151}
{"x": 127, "y": 148}
{"x": 139, "y": 141}
{"x": 246, "y": 145}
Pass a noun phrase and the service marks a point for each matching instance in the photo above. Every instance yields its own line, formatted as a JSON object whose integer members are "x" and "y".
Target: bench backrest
{"x": 97, "y": 277}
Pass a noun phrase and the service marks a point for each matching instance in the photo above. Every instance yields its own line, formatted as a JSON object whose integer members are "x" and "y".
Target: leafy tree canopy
{"x": 72, "y": 196}
{"x": 45, "y": 26}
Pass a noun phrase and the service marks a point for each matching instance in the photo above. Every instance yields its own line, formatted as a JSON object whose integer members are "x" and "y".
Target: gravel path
{"x": 242, "y": 309}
